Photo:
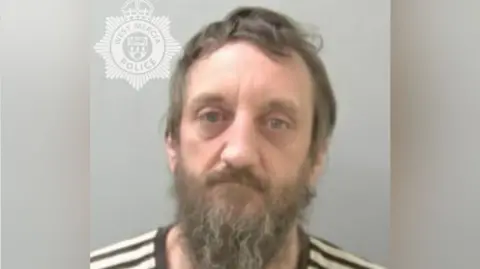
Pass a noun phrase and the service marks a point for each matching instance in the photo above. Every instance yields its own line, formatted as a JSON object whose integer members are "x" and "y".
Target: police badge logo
{"x": 137, "y": 47}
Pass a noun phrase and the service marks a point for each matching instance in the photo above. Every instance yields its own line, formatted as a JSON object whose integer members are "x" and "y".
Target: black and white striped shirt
{"x": 147, "y": 251}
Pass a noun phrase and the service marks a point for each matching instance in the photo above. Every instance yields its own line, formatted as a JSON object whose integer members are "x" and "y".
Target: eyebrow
{"x": 206, "y": 98}
{"x": 283, "y": 105}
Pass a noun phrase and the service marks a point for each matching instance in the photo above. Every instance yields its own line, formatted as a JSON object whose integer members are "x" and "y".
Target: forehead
{"x": 243, "y": 71}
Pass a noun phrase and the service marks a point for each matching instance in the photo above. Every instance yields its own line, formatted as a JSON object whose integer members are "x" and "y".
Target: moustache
{"x": 239, "y": 176}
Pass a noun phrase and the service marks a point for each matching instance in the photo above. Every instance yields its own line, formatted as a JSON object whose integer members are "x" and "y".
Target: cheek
{"x": 285, "y": 163}
{"x": 197, "y": 154}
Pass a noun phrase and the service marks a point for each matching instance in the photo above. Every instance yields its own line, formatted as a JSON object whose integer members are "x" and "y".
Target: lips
{"x": 249, "y": 183}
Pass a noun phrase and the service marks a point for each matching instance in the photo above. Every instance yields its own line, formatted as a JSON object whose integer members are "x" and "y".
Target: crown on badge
{"x": 137, "y": 9}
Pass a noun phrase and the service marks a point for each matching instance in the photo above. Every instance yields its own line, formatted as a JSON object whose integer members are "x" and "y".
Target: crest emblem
{"x": 137, "y": 47}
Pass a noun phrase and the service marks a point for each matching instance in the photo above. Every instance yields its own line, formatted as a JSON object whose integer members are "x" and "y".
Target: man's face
{"x": 245, "y": 110}
{"x": 242, "y": 158}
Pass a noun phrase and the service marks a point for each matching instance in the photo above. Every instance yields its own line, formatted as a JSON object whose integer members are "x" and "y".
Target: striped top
{"x": 147, "y": 251}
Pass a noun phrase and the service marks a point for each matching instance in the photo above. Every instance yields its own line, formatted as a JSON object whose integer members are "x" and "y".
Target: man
{"x": 251, "y": 113}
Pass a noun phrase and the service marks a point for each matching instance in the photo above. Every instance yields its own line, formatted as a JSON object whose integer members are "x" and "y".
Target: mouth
{"x": 238, "y": 186}
{"x": 237, "y": 196}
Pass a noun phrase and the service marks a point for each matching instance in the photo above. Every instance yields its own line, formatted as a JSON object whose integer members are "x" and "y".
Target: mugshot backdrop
{"x": 129, "y": 176}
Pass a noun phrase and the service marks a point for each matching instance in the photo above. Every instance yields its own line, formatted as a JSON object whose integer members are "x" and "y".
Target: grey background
{"x": 129, "y": 175}
{"x": 45, "y": 134}
{"x": 435, "y": 134}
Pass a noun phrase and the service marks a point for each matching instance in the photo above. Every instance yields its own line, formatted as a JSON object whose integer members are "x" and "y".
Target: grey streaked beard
{"x": 214, "y": 238}
{"x": 248, "y": 244}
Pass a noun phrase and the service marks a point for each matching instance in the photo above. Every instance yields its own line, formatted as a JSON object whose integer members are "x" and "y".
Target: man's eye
{"x": 211, "y": 116}
{"x": 277, "y": 124}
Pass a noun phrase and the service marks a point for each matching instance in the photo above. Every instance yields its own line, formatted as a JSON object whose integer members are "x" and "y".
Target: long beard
{"x": 219, "y": 229}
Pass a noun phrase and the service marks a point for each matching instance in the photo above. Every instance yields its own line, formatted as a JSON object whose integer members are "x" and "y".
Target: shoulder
{"x": 135, "y": 252}
{"x": 327, "y": 255}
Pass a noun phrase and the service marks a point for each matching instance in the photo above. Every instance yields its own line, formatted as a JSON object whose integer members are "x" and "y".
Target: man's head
{"x": 251, "y": 111}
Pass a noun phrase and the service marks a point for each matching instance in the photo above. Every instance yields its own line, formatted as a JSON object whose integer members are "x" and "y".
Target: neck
{"x": 286, "y": 258}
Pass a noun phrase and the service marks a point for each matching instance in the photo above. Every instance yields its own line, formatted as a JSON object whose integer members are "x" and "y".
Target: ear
{"x": 319, "y": 164}
{"x": 172, "y": 155}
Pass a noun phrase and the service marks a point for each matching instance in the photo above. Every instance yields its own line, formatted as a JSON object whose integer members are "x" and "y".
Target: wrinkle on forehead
{"x": 241, "y": 66}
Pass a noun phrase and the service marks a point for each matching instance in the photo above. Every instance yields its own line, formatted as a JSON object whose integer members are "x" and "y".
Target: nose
{"x": 241, "y": 144}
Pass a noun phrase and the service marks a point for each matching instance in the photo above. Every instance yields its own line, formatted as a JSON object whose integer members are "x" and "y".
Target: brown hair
{"x": 275, "y": 34}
